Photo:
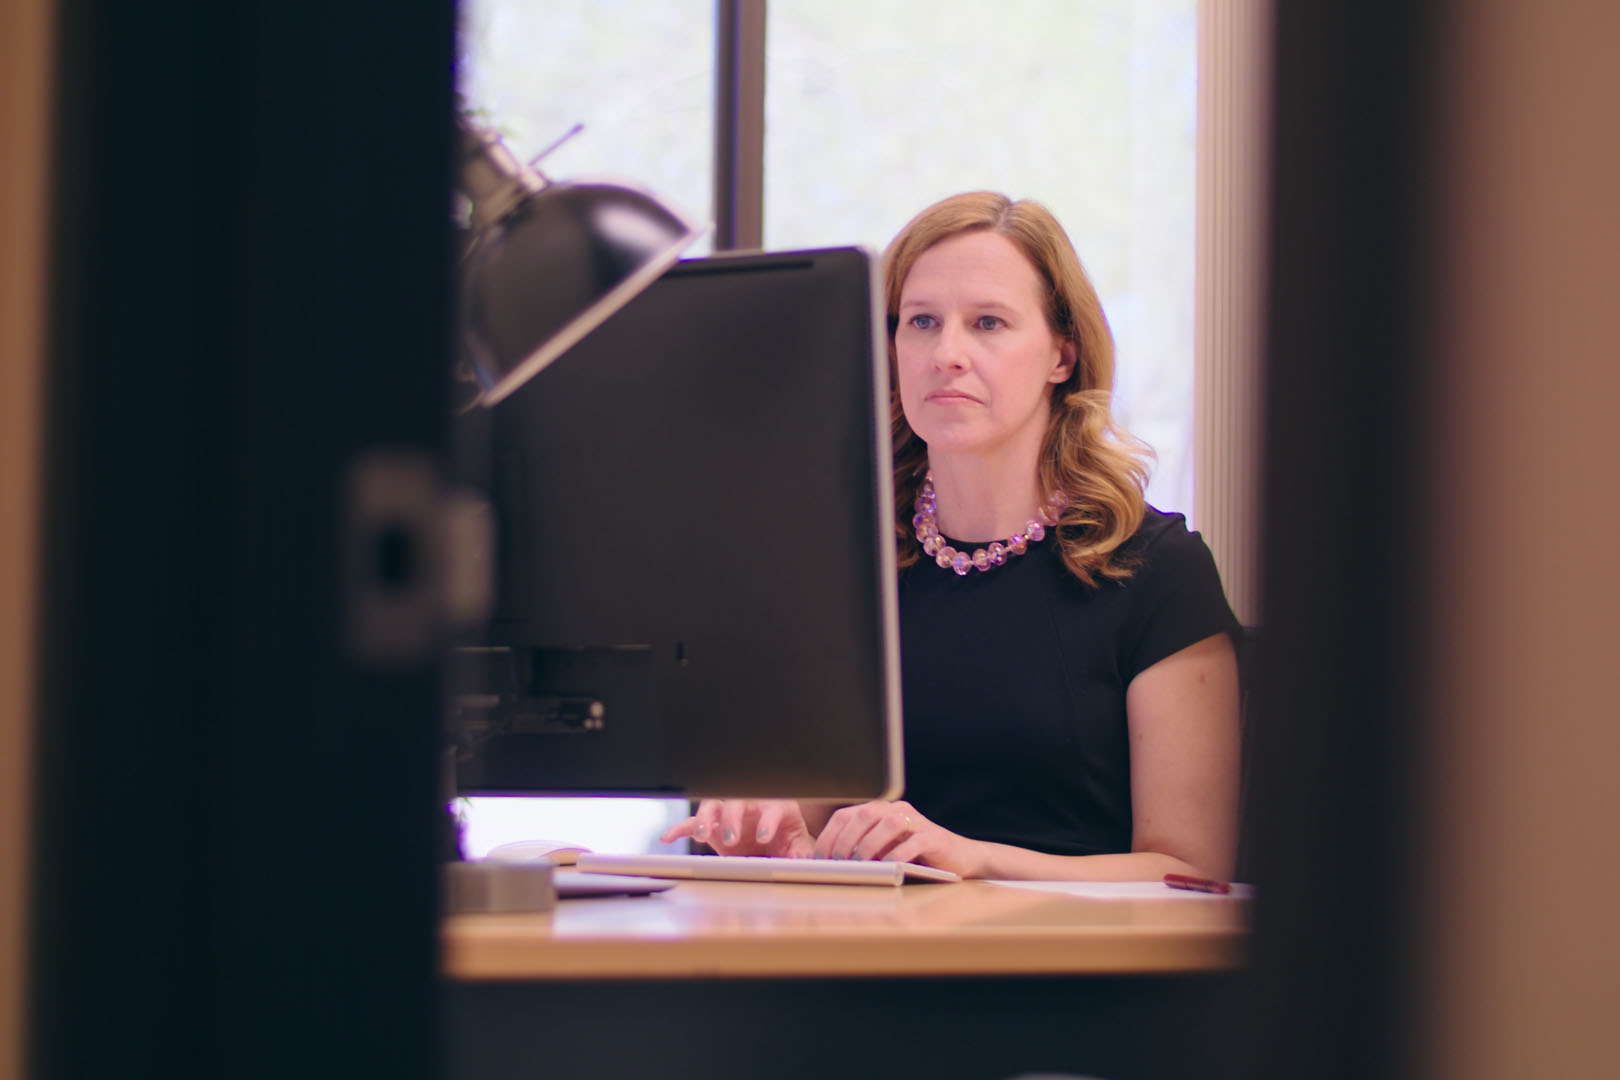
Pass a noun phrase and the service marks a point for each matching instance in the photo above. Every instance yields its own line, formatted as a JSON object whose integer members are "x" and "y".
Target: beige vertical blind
{"x": 1234, "y": 78}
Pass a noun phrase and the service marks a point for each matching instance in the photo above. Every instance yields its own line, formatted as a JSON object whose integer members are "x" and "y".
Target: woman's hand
{"x": 897, "y": 832}
{"x": 748, "y": 827}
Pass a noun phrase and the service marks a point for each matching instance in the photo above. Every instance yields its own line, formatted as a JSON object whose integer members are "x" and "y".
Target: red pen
{"x": 1196, "y": 884}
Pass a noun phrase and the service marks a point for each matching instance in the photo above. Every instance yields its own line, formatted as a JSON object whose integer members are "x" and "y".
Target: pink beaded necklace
{"x": 984, "y": 558}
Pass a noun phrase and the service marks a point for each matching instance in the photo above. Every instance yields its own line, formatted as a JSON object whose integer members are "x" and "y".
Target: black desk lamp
{"x": 549, "y": 262}
{"x": 545, "y": 263}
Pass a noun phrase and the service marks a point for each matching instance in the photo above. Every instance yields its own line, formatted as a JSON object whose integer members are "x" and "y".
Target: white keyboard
{"x": 763, "y": 868}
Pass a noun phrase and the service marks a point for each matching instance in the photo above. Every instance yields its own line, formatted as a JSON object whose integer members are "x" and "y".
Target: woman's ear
{"x": 1068, "y": 356}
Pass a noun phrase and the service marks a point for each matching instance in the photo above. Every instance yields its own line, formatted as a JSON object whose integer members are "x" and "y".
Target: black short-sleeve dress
{"x": 1014, "y": 679}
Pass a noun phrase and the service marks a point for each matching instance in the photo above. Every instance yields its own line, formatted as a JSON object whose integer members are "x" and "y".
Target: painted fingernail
{"x": 701, "y": 831}
{"x": 762, "y": 836}
{"x": 731, "y": 836}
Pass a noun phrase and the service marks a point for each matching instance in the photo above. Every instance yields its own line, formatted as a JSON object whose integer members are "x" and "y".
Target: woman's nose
{"x": 950, "y": 349}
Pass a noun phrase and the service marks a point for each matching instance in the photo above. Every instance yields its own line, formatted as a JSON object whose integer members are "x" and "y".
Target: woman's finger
{"x": 895, "y": 826}
{"x": 678, "y": 830}
{"x": 853, "y": 824}
{"x": 770, "y": 819}
{"x": 734, "y": 819}
{"x": 911, "y": 849}
{"x": 831, "y": 833}
{"x": 708, "y": 817}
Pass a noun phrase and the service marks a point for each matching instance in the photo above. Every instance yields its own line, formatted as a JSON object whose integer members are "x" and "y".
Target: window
{"x": 638, "y": 74}
{"x": 873, "y": 111}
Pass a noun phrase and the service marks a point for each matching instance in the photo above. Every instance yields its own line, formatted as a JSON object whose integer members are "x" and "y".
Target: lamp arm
{"x": 491, "y": 176}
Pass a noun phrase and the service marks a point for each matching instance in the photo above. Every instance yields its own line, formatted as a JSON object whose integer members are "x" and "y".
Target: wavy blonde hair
{"x": 1095, "y": 463}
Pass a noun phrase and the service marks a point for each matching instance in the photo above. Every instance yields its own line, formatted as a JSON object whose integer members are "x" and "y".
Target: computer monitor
{"x": 695, "y": 577}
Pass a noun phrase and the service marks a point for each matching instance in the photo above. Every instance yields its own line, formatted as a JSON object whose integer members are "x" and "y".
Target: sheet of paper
{"x": 1126, "y": 890}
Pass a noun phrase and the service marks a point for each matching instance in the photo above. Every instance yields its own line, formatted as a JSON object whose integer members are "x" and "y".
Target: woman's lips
{"x": 952, "y": 397}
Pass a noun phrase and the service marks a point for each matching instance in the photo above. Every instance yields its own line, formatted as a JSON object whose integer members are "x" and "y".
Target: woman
{"x": 1069, "y": 678}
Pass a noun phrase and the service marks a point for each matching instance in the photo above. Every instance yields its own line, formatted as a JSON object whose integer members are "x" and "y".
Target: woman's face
{"x": 976, "y": 359}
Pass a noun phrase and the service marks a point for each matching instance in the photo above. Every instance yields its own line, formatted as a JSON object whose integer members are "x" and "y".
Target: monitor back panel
{"x": 695, "y": 547}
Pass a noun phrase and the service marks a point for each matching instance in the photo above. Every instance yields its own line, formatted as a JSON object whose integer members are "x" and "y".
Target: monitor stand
{"x": 490, "y": 887}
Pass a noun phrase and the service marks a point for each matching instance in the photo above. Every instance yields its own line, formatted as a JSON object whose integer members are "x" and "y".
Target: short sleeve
{"x": 1175, "y": 596}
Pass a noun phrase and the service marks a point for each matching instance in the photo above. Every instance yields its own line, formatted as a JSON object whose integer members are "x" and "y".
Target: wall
{"x": 24, "y": 49}
{"x": 1526, "y": 623}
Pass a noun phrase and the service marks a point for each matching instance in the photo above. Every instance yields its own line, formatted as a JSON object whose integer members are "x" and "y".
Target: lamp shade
{"x": 553, "y": 268}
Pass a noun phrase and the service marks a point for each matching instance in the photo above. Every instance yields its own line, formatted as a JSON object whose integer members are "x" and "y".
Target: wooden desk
{"x": 728, "y": 979}
{"x": 719, "y": 929}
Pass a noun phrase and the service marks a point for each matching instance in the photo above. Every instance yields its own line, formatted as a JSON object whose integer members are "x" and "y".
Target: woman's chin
{"x": 957, "y": 434}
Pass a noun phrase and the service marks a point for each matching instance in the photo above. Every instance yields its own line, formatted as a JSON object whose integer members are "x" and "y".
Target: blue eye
{"x": 989, "y": 322}
{"x": 921, "y": 322}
